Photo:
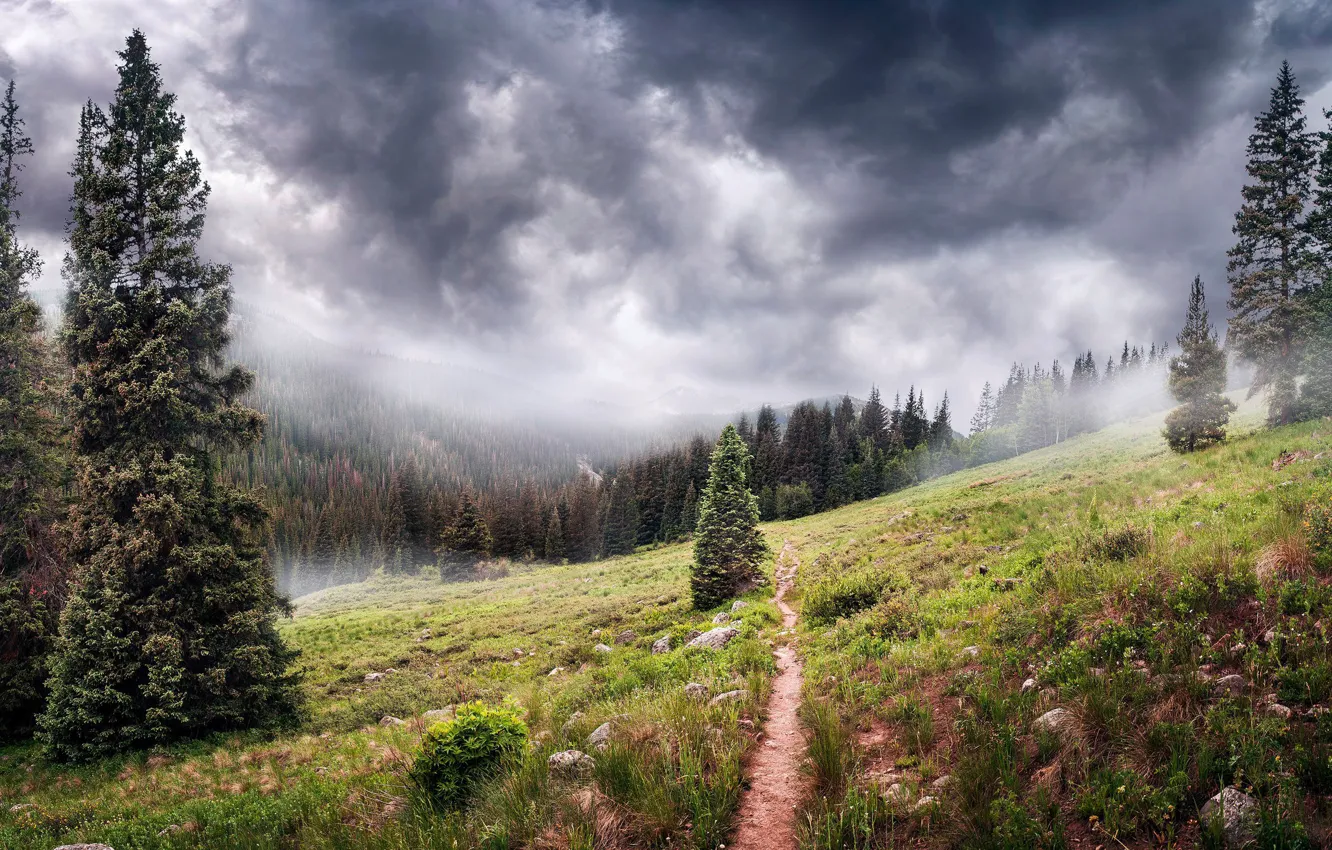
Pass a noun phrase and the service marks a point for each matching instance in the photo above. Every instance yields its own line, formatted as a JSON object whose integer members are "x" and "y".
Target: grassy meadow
{"x": 1123, "y": 581}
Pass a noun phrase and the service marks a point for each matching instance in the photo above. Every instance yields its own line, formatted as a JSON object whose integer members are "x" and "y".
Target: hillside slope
{"x": 1120, "y": 578}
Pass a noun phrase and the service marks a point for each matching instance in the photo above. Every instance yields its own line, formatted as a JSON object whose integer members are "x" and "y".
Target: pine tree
{"x": 767, "y": 451}
{"x": 874, "y": 420}
{"x": 170, "y": 631}
{"x": 941, "y": 429}
{"x": 1318, "y": 223}
{"x": 728, "y": 548}
{"x": 32, "y": 575}
{"x": 554, "y": 545}
{"x": 465, "y": 542}
{"x": 1197, "y": 381}
{"x": 1316, "y": 393}
{"x": 1268, "y": 268}
{"x": 620, "y": 527}
{"x": 980, "y": 420}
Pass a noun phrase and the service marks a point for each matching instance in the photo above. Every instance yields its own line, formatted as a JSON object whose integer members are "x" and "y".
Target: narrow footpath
{"x": 768, "y": 807}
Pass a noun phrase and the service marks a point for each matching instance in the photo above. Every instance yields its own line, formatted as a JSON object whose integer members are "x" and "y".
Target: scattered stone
{"x": 661, "y": 645}
{"x": 390, "y": 720}
{"x": 574, "y": 720}
{"x": 729, "y": 696}
{"x": 923, "y": 805}
{"x": 555, "y": 671}
{"x": 20, "y": 807}
{"x": 1238, "y": 813}
{"x": 714, "y": 638}
{"x": 169, "y": 829}
{"x": 438, "y": 715}
{"x": 601, "y": 647}
{"x": 1276, "y": 709}
{"x": 736, "y": 624}
{"x": 696, "y": 691}
{"x": 600, "y": 737}
{"x": 691, "y": 634}
{"x": 1056, "y": 721}
{"x": 738, "y": 604}
{"x": 942, "y": 784}
{"x": 1197, "y": 524}
{"x": 85, "y": 847}
{"x": 571, "y": 764}
{"x": 970, "y": 653}
{"x": 517, "y": 653}
{"x": 721, "y": 619}
{"x": 625, "y": 637}
{"x": 1233, "y": 684}
{"x": 983, "y": 569}
{"x": 1270, "y": 636}
{"x": 425, "y": 635}
{"x": 1028, "y": 686}
{"x": 746, "y": 724}
{"x": 374, "y": 677}
{"x": 596, "y": 633}
{"x": 896, "y": 793}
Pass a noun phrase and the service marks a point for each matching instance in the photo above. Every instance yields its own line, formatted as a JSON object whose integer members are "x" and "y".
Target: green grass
{"x": 1106, "y": 569}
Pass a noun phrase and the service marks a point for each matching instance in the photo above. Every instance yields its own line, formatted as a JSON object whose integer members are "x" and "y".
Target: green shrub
{"x": 1318, "y": 527}
{"x": 457, "y": 755}
{"x": 1117, "y": 544}
{"x": 794, "y": 501}
{"x": 846, "y": 595}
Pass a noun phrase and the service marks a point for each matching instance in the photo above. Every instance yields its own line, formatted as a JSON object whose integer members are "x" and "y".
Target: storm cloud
{"x": 754, "y": 199}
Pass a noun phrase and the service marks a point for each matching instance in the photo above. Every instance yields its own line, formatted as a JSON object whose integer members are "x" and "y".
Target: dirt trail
{"x": 767, "y": 809}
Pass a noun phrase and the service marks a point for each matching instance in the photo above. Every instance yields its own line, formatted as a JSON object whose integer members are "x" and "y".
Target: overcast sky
{"x": 752, "y": 199}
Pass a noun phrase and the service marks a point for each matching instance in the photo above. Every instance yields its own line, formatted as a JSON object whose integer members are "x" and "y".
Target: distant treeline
{"x": 360, "y": 482}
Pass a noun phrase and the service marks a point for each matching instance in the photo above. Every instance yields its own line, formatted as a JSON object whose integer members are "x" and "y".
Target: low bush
{"x": 458, "y": 755}
{"x": 846, "y": 595}
{"x": 1117, "y": 544}
{"x": 1318, "y": 528}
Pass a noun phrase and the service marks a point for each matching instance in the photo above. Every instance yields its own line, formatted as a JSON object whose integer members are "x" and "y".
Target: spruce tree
{"x": 554, "y": 544}
{"x": 620, "y": 527}
{"x": 1197, "y": 381}
{"x": 1316, "y": 393}
{"x": 32, "y": 575}
{"x": 465, "y": 542}
{"x": 728, "y": 548}
{"x": 170, "y": 631}
{"x": 1268, "y": 268}
{"x": 874, "y": 420}
{"x": 980, "y": 420}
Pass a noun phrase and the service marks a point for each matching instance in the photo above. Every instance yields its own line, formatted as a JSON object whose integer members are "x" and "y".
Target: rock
{"x": 982, "y": 569}
{"x": 1056, "y": 721}
{"x": 714, "y": 638}
{"x": 942, "y": 784}
{"x": 169, "y": 829}
{"x": 729, "y": 696}
{"x": 555, "y": 671}
{"x": 20, "y": 807}
{"x": 661, "y": 645}
{"x": 626, "y": 637}
{"x": 1238, "y": 813}
{"x": 596, "y": 633}
{"x": 738, "y": 604}
{"x": 542, "y": 738}
{"x": 600, "y": 737}
{"x": 574, "y": 720}
{"x": 1233, "y": 684}
{"x": 85, "y": 847}
{"x": 923, "y": 805}
{"x": 374, "y": 677}
{"x": 601, "y": 647}
{"x": 691, "y": 634}
{"x": 1270, "y": 636}
{"x": 721, "y": 619}
{"x": 517, "y": 653}
{"x": 970, "y": 653}
{"x": 736, "y": 624}
{"x": 1276, "y": 709}
{"x": 437, "y": 715}
{"x": 896, "y": 793}
{"x": 1028, "y": 686}
{"x": 390, "y": 720}
{"x": 696, "y": 691}
{"x": 571, "y": 764}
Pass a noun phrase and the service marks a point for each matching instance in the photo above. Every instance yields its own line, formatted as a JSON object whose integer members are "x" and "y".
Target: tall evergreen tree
{"x": 728, "y": 547}
{"x": 1268, "y": 268}
{"x": 170, "y": 631}
{"x": 1197, "y": 381}
{"x": 980, "y": 420}
{"x": 874, "y": 420}
{"x": 554, "y": 544}
{"x": 767, "y": 452}
{"x": 465, "y": 542}
{"x": 1316, "y": 393}
{"x": 941, "y": 429}
{"x": 620, "y": 527}
{"x": 32, "y": 575}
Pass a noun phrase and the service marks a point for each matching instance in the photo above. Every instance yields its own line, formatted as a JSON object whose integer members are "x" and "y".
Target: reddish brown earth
{"x": 767, "y": 818}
